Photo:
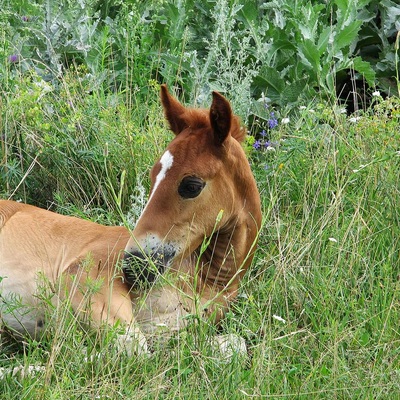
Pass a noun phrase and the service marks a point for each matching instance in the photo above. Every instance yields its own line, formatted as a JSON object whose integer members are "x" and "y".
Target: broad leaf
{"x": 364, "y": 68}
{"x": 309, "y": 53}
{"x": 346, "y": 35}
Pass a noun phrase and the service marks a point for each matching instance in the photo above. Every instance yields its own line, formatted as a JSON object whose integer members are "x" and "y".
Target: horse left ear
{"x": 173, "y": 111}
{"x": 220, "y": 117}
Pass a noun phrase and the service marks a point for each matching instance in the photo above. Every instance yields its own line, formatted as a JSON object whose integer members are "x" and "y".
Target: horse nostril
{"x": 140, "y": 269}
{"x": 137, "y": 270}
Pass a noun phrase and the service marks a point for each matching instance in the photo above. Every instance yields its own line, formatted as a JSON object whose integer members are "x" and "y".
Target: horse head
{"x": 203, "y": 214}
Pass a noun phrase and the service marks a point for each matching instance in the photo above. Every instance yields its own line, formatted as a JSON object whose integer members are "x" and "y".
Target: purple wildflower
{"x": 272, "y": 122}
{"x": 257, "y": 144}
{"x": 263, "y": 133}
{"x": 267, "y": 144}
{"x": 25, "y": 18}
{"x": 13, "y": 58}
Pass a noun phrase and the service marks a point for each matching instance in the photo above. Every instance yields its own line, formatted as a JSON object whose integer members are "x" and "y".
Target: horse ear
{"x": 173, "y": 111}
{"x": 220, "y": 117}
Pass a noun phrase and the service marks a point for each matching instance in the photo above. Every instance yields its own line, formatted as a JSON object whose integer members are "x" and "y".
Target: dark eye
{"x": 190, "y": 187}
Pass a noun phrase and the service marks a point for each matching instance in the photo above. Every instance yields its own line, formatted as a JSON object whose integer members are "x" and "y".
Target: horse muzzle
{"x": 142, "y": 267}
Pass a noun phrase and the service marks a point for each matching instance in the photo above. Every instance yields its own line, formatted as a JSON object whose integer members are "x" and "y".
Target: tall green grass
{"x": 319, "y": 308}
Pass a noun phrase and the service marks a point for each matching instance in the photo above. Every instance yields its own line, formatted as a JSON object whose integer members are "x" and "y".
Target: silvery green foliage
{"x": 225, "y": 66}
{"x": 138, "y": 200}
{"x": 288, "y": 50}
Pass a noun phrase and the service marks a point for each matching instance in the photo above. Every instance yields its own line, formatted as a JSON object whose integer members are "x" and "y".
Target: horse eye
{"x": 190, "y": 187}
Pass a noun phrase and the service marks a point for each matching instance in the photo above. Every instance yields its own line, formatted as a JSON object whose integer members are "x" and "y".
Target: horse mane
{"x": 238, "y": 130}
{"x": 200, "y": 118}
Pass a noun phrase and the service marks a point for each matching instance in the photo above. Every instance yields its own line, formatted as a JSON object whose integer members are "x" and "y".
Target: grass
{"x": 319, "y": 309}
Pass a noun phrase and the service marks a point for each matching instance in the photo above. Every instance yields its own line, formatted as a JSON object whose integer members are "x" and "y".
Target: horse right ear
{"x": 173, "y": 111}
{"x": 220, "y": 117}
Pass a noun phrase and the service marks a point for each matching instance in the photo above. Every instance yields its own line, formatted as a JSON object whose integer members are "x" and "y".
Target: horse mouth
{"x": 141, "y": 270}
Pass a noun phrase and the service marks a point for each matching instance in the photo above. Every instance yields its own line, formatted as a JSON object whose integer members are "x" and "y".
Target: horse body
{"x": 38, "y": 247}
{"x": 197, "y": 234}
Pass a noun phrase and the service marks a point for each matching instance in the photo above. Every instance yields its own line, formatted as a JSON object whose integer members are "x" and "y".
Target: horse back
{"x": 34, "y": 239}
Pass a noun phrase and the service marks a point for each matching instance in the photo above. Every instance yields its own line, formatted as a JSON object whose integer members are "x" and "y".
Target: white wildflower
{"x": 278, "y": 318}
{"x": 354, "y": 119}
{"x": 332, "y": 239}
{"x": 264, "y": 99}
{"x": 285, "y": 121}
{"x": 377, "y": 93}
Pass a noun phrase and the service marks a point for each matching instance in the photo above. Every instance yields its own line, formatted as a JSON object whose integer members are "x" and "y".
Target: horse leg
{"x": 111, "y": 305}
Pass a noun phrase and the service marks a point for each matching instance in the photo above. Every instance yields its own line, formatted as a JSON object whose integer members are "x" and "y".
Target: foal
{"x": 197, "y": 234}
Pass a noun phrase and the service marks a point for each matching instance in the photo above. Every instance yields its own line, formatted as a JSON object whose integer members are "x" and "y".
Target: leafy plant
{"x": 376, "y": 41}
{"x": 289, "y": 52}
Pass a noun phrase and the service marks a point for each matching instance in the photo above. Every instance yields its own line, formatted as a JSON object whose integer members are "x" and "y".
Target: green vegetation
{"x": 81, "y": 123}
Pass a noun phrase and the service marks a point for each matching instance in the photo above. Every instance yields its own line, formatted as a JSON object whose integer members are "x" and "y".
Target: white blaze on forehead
{"x": 166, "y": 162}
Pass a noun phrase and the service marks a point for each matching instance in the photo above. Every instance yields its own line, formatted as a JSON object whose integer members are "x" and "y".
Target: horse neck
{"x": 220, "y": 262}
{"x": 230, "y": 249}
{"x": 226, "y": 258}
